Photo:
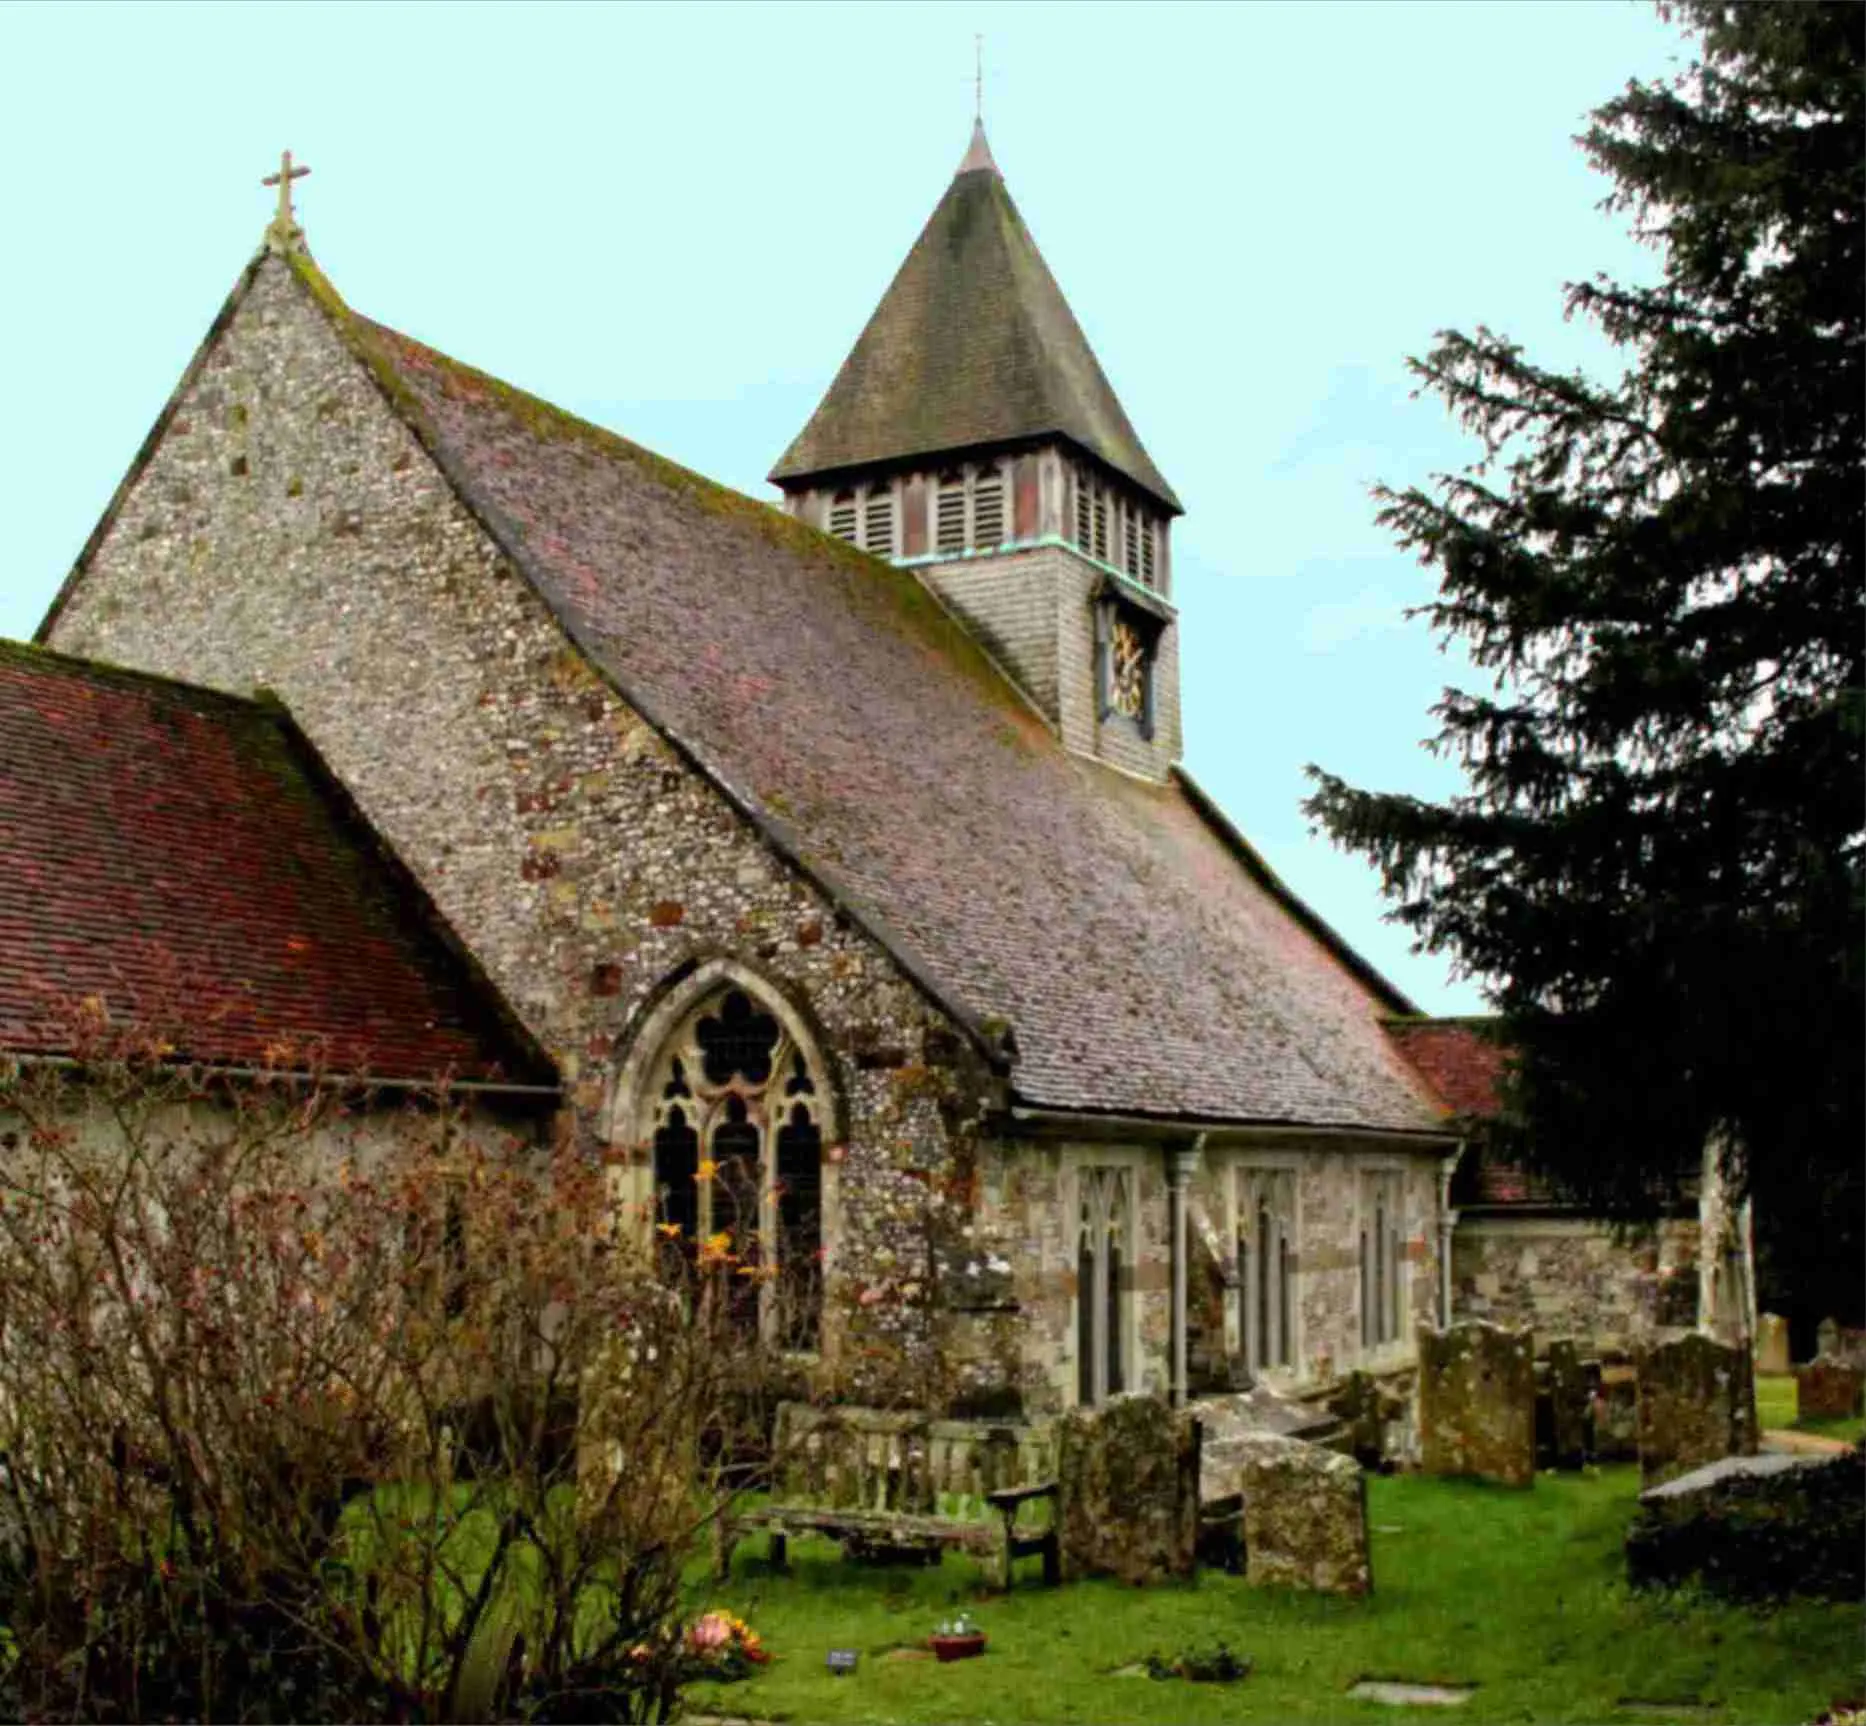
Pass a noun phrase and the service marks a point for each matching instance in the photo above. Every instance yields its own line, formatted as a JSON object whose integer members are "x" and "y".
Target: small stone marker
{"x": 1828, "y": 1389}
{"x": 1772, "y": 1345}
{"x": 1400, "y": 1693}
{"x": 1477, "y": 1402}
{"x": 842, "y": 1661}
{"x": 1827, "y": 1337}
{"x": 1697, "y": 1403}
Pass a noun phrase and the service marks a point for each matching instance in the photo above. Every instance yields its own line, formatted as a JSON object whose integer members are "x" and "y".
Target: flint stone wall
{"x": 1128, "y": 1498}
{"x": 1477, "y": 1403}
{"x": 1571, "y": 1277}
{"x": 1305, "y": 1511}
{"x": 1828, "y": 1389}
{"x": 1697, "y": 1404}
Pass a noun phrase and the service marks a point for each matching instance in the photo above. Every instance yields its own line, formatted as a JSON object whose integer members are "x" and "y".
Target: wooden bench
{"x": 904, "y": 1480}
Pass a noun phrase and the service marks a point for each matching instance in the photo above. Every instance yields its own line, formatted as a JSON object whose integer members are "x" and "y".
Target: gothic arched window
{"x": 735, "y": 1124}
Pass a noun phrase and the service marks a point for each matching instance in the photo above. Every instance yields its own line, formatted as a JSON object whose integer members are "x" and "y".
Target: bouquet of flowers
{"x": 723, "y": 1647}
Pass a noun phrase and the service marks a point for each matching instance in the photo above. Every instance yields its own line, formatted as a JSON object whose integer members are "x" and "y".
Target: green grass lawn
{"x": 1518, "y": 1593}
{"x": 1776, "y": 1410}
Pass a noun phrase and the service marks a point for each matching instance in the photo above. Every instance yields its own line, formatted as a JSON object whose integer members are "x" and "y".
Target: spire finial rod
{"x": 978, "y": 78}
{"x": 283, "y": 232}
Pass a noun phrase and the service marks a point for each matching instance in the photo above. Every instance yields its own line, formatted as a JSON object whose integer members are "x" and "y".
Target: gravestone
{"x": 1305, "y": 1512}
{"x": 1571, "y": 1405}
{"x": 1697, "y": 1403}
{"x": 1128, "y": 1490}
{"x": 1477, "y": 1402}
{"x": 1827, "y": 1337}
{"x": 1756, "y": 1527}
{"x": 1772, "y": 1355}
{"x": 1828, "y": 1389}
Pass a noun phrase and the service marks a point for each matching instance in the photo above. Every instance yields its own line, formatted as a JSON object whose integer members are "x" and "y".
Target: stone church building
{"x": 843, "y": 846}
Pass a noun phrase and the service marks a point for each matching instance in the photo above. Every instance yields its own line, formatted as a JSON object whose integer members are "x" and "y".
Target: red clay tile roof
{"x": 1462, "y": 1064}
{"x": 180, "y": 855}
{"x": 1145, "y": 964}
{"x": 972, "y": 344}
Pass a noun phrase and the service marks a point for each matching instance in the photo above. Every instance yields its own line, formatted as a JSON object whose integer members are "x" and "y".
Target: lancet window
{"x": 736, "y": 1130}
{"x": 1266, "y": 1249}
{"x": 1104, "y": 1279}
{"x": 1383, "y": 1257}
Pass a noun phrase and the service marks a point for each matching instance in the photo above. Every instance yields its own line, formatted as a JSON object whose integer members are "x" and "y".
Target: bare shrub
{"x": 314, "y": 1405}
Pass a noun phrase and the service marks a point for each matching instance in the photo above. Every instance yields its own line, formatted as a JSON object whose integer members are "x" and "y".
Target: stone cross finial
{"x": 284, "y": 232}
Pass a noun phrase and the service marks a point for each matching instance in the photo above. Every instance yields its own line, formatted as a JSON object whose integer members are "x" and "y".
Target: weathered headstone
{"x": 1305, "y": 1512}
{"x": 1827, "y": 1337}
{"x": 1828, "y": 1389}
{"x": 1772, "y": 1356}
{"x": 1477, "y": 1402}
{"x": 1128, "y": 1490}
{"x": 1697, "y": 1403}
{"x": 1571, "y": 1411}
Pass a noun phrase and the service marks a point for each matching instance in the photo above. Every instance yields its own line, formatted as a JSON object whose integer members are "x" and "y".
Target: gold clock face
{"x": 1127, "y": 671}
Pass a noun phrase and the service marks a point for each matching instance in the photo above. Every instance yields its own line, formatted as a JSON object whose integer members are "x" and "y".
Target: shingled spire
{"x": 973, "y": 346}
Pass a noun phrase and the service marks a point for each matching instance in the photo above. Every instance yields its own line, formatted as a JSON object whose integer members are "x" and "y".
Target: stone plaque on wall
{"x": 1477, "y": 1403}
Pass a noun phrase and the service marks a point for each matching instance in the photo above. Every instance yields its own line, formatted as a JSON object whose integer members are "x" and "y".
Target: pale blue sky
{"x": 675, "y": 221}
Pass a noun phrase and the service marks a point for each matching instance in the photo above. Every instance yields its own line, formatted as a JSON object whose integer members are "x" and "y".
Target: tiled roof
{"x": 1144, "y": 960}
{"x": 180, "y": 855}
{"x": 972, "y": 344}
{"x": 1461, "y": 1061}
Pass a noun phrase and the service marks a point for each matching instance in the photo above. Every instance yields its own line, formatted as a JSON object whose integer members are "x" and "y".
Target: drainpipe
{"x": 1447, "y": 1221}
{"x": 1181, "y": 1160}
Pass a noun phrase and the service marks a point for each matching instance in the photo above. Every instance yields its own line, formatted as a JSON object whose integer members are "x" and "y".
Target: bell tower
{"x": 972, "y": 436}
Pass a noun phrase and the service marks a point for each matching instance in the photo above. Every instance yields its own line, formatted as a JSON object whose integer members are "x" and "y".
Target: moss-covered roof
{"x": 972, "y": 345}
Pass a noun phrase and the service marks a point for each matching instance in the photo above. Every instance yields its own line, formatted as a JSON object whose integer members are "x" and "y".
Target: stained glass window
{"x": 737, "y": 1140}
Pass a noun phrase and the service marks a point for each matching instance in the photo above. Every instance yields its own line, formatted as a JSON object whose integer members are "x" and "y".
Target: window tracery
{"x": 736, "y": 1132}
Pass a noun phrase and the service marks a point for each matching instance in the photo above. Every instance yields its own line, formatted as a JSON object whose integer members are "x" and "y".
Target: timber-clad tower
{"x": 972, "y": 434}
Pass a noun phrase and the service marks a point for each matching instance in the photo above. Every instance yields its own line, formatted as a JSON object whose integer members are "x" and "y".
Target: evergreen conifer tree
{"x": 1657, "y": 865}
